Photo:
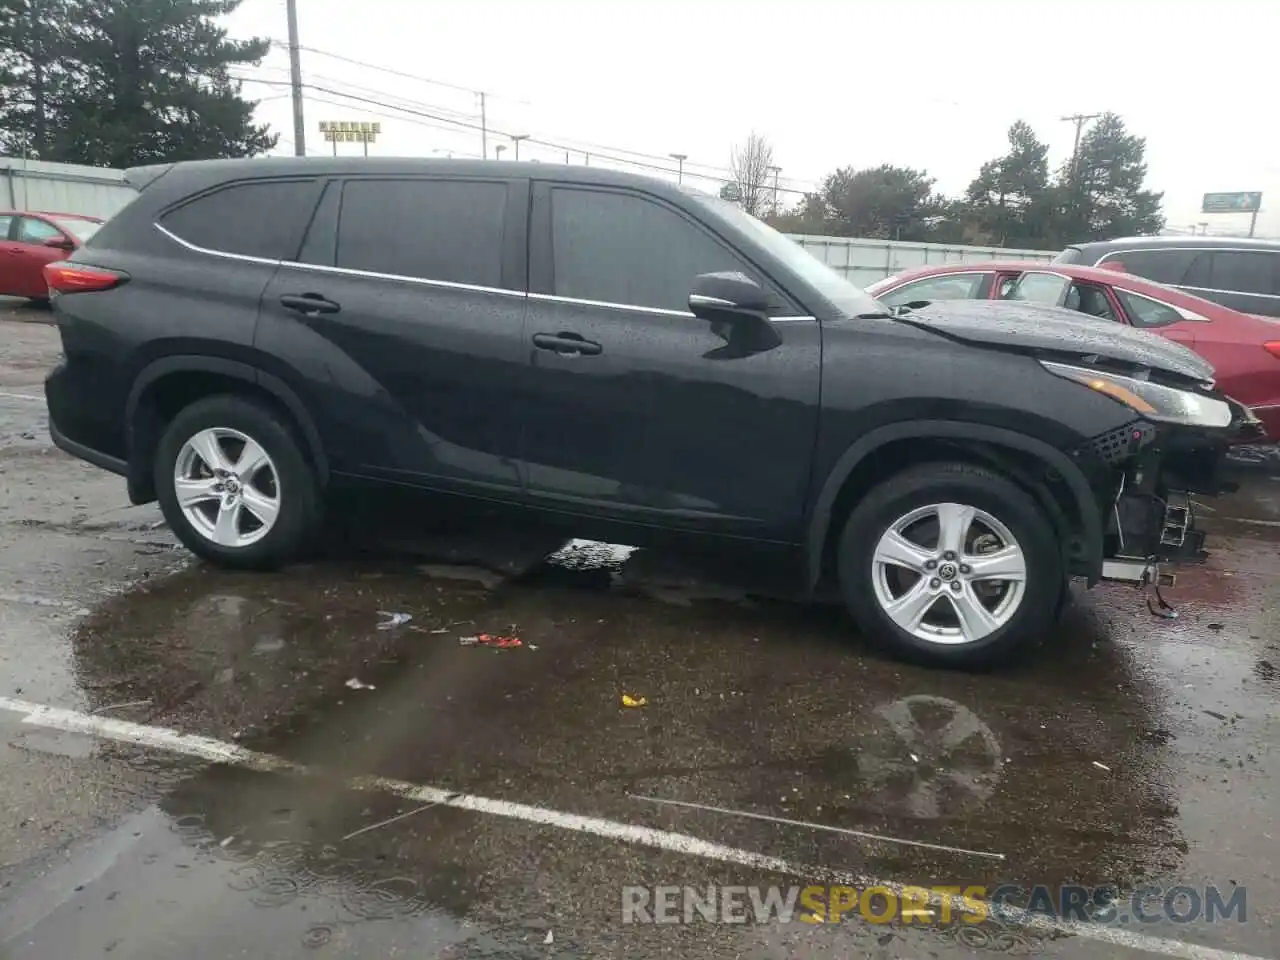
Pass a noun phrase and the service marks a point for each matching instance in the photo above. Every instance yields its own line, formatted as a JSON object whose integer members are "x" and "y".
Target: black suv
{"x": 631, "y": 358}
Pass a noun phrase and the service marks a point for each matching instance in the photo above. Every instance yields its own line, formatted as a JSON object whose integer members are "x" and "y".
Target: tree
{"x": 1009, "y": 200}
{"x": 131, "y": 82}
{"x": 886, "y": 202}
{"x": 752, "y": 167}
{"x": 1103, "y": 196}
{"x": 34, "y": 35}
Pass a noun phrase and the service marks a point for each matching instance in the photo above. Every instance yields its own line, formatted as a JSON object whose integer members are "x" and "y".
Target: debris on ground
{"x": 356, "y": 684}
{"x": 119, "y": 706}
{"x": 489, "y": 640}
{"x": 393, "y": 619}
{"x": 629, "y": 701}
{"x": 549, "y": 939}
{"x": 1101, "y": 766}
{"x": 382, "y": 823}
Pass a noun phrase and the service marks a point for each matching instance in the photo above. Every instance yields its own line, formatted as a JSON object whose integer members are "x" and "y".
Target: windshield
{"x": 82, "y": 230}
{"x": 845, "y": 296}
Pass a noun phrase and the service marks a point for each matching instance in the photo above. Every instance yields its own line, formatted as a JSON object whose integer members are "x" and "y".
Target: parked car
{"x": 1244, "y": 350}
{"x": 633, "y": 360}
{"x": 1237, "y": 273}
{"x": 29, "y": 240}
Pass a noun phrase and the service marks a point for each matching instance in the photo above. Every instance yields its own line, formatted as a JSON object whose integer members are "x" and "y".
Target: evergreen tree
{"x": 125, "y": 82}
{"x": 1102, "y": 197}
{"x": 1009, "y": 199}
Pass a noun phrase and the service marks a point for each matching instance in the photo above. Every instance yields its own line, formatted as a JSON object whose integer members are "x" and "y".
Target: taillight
{"x": 1272, "y": 347}
{"x": 66, "y": 277}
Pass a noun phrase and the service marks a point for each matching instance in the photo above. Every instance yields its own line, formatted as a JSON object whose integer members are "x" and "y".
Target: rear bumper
{"x": 87, "y": 453}
{"x": 79, "y": 421}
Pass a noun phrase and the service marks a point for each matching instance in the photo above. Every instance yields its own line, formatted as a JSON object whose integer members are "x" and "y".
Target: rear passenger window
{"x": 448, "y": 230}
{"x": 1244, "y": 271}
{"x": 1162, "y": 266}
{"x": 264, "y": 218}
{"x": 621, "y": 248}
{"x": 1145, "y": 312}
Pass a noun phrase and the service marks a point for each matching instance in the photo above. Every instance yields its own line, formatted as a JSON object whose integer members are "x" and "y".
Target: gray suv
{"x": 1237, "y": 273}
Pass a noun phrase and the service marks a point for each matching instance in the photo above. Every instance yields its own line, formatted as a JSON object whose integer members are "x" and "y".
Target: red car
{"x": 29, "y": 240}
{"x": 1244, "y": 349}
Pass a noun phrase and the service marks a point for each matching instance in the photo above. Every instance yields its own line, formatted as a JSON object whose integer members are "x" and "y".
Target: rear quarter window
{"x": 261, "y": 218}
{"x": 1162, "y": 266}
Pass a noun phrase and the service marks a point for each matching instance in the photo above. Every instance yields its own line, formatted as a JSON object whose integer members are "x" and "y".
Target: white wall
{"x": 62, "y": 187}
{"x": 863, "y": 262}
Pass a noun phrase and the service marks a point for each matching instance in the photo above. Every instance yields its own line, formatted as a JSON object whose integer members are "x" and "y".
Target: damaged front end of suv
{"x": 1145, "y": 470}
{"x": 1174, "y": 449}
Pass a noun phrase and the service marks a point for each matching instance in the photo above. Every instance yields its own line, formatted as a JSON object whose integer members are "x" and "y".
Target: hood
{"x": 1035, "y": 328}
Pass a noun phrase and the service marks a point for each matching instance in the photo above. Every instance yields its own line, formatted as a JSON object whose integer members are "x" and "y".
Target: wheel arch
{"x": 144, "y": 422}
{"x": 919, "y": 440}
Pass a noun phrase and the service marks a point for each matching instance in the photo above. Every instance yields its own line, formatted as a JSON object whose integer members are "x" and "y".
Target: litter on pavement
{"x": 393, "y": 619}
{"x": 356, "y": 684}
{"x": 629, "y": 701}
{"x": 490, "y": 640}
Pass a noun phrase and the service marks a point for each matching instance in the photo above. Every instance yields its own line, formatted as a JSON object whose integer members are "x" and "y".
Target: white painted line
{"x": 883, "y": 838}
{"x": 215, "y": 751}
{"x": 22, "y": 396}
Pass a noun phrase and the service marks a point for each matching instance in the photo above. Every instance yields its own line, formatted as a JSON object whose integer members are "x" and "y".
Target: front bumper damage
{"x": 1159, "y": 471}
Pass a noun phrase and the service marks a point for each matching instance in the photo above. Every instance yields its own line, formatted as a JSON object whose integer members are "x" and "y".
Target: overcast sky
{"x": 931, "y": 84}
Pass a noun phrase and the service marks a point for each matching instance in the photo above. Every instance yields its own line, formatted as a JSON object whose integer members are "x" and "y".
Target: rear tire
{"x": 917, "y": 563}
{"x": 234, "y": 486}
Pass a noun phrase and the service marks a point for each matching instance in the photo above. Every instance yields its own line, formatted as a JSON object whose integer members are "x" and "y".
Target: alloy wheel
{"x": 949, "y": 573}
{"x": 227, "y": 487}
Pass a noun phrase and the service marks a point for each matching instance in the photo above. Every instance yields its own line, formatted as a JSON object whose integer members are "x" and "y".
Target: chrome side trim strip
{"x": 214, "y": 253}
{"x": 373, "y": 275}
{"x": 445, "y": 284}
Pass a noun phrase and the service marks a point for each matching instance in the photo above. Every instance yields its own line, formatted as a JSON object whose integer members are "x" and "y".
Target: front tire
{"x": 234, "y": 486}
{"x": 950, "y": 564}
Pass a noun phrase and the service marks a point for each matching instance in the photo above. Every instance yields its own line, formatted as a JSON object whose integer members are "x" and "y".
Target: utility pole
{"x": 1079, "y": 119}
{"x": 484, "y": 130}
{"x": 775, "y": 171}
{"x": 679, "y": 158}
{"x": 295, "y": 81}
{"x": 516, "y": 138}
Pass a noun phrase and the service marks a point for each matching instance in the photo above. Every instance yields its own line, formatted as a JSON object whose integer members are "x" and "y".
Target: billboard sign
{"x": 1249, "y": 201}
{"x": 350, "y": 131}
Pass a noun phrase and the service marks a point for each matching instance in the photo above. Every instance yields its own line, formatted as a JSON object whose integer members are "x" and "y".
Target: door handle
{"x": 567, "y": 344}
{"x": 308, "y": 304}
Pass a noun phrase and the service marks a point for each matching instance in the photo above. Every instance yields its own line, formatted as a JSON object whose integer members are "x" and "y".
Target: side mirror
{"x": 60, "y": 243}
{"x": 725, "y": 296}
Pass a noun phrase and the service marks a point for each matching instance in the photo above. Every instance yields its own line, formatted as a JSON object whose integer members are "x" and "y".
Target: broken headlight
{"x": 1155, "y": 401}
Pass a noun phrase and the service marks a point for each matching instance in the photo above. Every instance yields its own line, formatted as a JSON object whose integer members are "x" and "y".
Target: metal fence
{"x": 62, "y": 187}
{"x": 863, "y": 262}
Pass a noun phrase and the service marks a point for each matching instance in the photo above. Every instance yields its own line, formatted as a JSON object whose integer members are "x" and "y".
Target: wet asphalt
{"x": 1127, "y": 750}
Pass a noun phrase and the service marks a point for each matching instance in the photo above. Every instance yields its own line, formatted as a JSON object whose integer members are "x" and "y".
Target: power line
{"x": 393, "y": 72}
{"x": 484, "y": 129}
{"x": 725, "y": 174}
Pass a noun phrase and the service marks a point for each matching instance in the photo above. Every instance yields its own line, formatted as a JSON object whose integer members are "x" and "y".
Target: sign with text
{"x": 1249, "y": 201}
{"x": 350, "y": 131}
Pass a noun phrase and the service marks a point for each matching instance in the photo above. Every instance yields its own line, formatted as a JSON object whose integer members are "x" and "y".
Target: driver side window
{"x": 31, "y": 230}
{"x": 625, "y": 249}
